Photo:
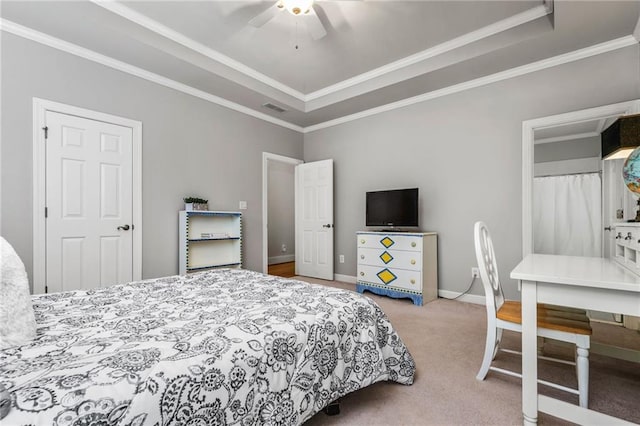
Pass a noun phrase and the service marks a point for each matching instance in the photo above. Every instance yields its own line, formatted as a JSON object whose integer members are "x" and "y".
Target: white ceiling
{"x": 375, "y": 52}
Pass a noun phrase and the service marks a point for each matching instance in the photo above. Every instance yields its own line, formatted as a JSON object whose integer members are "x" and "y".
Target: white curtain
{"x": 567, "y": 215}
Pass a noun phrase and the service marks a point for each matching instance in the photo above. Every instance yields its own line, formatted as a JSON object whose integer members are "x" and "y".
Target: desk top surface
{"x": 576, "y": 270}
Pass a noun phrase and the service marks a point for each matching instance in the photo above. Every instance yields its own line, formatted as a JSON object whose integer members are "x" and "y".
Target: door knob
{"x": 123, "y": 228}
{"x": 328, "y": 225}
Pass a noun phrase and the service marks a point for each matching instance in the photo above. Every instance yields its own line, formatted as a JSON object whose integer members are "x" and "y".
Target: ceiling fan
{"x": 295, "y": 7}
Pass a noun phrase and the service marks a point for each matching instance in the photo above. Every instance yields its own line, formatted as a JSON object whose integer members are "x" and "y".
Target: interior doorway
{"x": 87, "y": 221}
{"x": 278, "y": 214}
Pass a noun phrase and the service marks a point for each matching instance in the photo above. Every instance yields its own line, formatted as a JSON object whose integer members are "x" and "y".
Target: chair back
{"x": 488, "y": 268}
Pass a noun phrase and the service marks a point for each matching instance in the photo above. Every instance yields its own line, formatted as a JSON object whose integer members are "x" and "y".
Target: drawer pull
{"x": 413, "y": 281}
{"x": 413, "y": 261}
{"x": 413, "y": 244}
{"x": 362, "y": 256}
{"x": 362, "y": 241}
{"x": 362, "y": 274}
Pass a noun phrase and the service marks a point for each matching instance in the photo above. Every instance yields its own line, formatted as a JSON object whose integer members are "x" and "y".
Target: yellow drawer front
{"x": 390, "y": 277}
{"x": 390, "y": 258}
{"x": 390, "y": 242}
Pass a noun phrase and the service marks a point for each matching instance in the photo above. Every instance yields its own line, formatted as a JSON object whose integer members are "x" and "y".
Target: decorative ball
{"x": 631, "y": 171}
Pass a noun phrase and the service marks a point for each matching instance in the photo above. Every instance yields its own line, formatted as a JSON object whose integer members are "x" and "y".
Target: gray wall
{"x": 567, "y": 150}
{"x": 189, "y": 147}
{"x": 464, "y": 153}
{"x": 281, "y": 209}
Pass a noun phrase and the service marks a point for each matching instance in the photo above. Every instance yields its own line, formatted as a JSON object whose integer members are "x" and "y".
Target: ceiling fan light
{"x": 297, "y": 7}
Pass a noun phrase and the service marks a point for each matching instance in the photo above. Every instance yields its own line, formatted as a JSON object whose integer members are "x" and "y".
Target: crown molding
{"x": 158, "y": 28}
{"x": 464, "y": 40}
{"x": 448, "y": 46}
{"x": 562, "y": 59}
{"x": 47, "y": 40}
{"x": 567, "y": 137}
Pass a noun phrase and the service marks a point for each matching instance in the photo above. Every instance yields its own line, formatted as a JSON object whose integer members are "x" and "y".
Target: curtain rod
{"x": 572, "y": 174}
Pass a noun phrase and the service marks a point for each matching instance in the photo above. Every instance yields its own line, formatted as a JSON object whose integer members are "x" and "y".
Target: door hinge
{"x": 46, "y": 212}
{"x": 46, "y": 289}
{"x": 132, "y": 227}
{"x": 46, "y": 132}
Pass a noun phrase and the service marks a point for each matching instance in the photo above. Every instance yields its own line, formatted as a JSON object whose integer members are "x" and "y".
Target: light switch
{"x": 243, "y": 205}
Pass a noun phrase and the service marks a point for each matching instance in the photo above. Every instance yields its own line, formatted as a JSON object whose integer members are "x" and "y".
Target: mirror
{"x": 571, "y": 198}
{"x": 567, "y": 189}
{"x": 577, "y": 131}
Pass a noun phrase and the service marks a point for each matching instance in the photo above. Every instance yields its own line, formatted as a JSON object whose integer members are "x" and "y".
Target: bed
{"x": 227, "y": 346}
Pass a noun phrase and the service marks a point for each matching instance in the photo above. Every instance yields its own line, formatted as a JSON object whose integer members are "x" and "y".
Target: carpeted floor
{"x": 446, "y": 339}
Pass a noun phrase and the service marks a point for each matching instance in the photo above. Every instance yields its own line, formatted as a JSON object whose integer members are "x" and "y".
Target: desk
{"x": 580, "y": 282}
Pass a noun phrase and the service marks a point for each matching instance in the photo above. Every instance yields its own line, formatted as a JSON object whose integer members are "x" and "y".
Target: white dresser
{"x": 399, "y": 265}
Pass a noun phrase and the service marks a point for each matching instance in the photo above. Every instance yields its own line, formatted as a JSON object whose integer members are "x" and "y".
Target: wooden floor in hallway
{"x": 287, "y": 269}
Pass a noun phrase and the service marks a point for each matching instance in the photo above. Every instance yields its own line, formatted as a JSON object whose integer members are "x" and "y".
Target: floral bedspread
{"x": 219, "y": 347}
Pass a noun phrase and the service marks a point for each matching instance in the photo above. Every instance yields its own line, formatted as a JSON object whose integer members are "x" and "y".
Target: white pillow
{"x": 17, "y": 321}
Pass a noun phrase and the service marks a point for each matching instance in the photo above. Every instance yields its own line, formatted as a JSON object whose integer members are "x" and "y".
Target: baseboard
{"x": 281, "y": 259}
{"x": 344, "y": 278}
{"x": 469, "y": 298}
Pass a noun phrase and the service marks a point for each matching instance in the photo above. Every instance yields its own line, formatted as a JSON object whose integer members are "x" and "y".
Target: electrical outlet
{"x": 341, "y": 258}
{"x": 475, "y": 272}
{"x": 284, "y": 248}
{"x": 242, "y": 205}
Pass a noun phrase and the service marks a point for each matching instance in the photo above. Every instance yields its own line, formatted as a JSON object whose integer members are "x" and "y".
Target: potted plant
{"x": 195, "y": 203}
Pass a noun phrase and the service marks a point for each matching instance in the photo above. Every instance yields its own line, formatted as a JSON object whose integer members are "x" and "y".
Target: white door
{"x": 314, "y": 219}
{"x": 88, "y": 203}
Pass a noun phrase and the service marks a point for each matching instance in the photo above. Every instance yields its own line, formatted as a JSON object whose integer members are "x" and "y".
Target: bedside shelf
{"x": 222, "y": 250}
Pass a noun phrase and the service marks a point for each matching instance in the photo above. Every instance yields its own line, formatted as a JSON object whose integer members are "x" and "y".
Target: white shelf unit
{"x": 209, "y": 239}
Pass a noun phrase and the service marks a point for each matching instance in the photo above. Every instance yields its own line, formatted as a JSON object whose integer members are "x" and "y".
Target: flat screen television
{"x": 393, "y": 208}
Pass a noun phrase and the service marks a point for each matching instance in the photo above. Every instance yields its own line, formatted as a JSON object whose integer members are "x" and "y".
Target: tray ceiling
{"x": 375, "y": 52}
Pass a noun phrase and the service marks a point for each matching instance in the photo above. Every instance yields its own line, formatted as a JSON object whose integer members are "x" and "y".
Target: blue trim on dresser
{"x": 416, "y": 298}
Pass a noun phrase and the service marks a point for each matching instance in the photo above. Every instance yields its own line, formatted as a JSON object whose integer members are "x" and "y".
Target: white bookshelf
{"x": 209, "y": 239}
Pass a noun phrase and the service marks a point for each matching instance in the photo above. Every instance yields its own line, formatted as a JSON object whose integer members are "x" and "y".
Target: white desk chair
{"x": 554, "y": 322}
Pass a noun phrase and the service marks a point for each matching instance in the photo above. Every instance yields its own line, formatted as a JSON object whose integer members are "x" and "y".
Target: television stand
{"x": 398, "y": 264}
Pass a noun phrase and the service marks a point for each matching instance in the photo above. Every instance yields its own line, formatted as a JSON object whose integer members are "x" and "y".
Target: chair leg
{"x": 582, "y": 367}
{"x": 490, "y": 349}
{"x": 497, "y": 344}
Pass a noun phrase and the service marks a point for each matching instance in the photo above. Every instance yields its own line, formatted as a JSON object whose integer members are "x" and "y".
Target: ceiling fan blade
{"x": 265, "y": 16}
{"x": 315, "y": 25}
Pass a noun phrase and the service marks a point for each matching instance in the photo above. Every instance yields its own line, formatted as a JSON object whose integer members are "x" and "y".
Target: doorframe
{"x": 40, "y": 108}
{"x": 266, "y": 157}
{"x": 528, "y": 128}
